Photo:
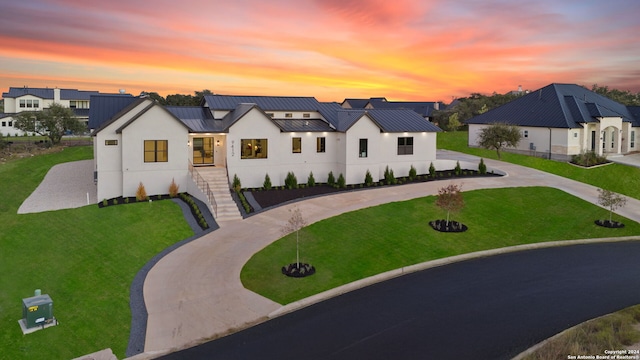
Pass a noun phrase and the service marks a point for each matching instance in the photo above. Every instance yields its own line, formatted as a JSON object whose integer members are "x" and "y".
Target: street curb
{"x": 314, "y": 299}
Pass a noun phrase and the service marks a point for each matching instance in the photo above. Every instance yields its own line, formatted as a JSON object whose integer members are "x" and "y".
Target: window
{"x": 254, "y": 148}
{"x": 575, "y": 135}
{"x": 36, "y": 103}
{"x": 23, "y": 103}
{"x": 72, "y": 104}
{"x": 270, "y": 115}
{"x": 633, "y": 139}
{"x": 306, "y": 115}
{"x": 156, "y": 151}
{"x": 405, "y": 146}
{"x": 111, "y": 142}
{"x": 29, "y": 103}
{"x": 288, "y": 115}
{"x": 4, "y": 123}
{"x": 320, "y": 144}
{"x": 363, "y": 148}
{"x": 10, "y": 123}
{"x": 526, "y": 133}
{"x": 296, "y": 145}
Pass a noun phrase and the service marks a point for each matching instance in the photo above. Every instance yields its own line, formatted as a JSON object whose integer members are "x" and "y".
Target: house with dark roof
{"x": 561, "y": 120}
{"x": 252, "y": 136}
{"x": 19, "y": 99}
{"x": 425, "y": 109}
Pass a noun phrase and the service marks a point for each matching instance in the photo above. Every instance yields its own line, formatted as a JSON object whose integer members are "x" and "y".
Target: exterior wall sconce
{"x": 217, "y": 142}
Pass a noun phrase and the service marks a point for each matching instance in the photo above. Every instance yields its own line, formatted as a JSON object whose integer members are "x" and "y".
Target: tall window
{"x": 254, "y": 148}
{"x": 632, "y": 143}
{"x": 320, "y": 144}
{"x": 29, "y": 103}
{"x": 296, "y": 145}
{"x": 364, "y": 145}
{"x": 156, "y": 151}
{"x": 405, "y": 146}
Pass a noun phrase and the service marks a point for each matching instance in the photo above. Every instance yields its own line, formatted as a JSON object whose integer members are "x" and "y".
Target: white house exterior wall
{"x": 251, "y": 172}
{"x": 155, "y": 176}
{"x": 356, "y": 166}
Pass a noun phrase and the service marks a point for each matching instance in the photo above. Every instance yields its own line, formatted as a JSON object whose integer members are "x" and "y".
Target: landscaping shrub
{"x": 341, "y": 182}
{"x": 412, "y": 173}
{"x": 389, "y": 178}
{"x": 588, "y": 158}
{"x": 482, "y": 168}
{"x": 331, "y": 180}
{"x": 236, "y": 183}
{"x": 291, "y": 182}
{"x": 141, "y": 193}
{"x": 368, "y": 180}
{"x": 457, "y": 170}
{"x": 311, "y": 181}
{"x": 267, "y": 182}
{"x": 173, "y": 188}
{"x": 432, "y": 171}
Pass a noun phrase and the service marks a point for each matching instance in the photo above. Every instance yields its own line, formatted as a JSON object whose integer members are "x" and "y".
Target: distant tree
{"x": 52, "y": 122}
{"x": 497, "y": 136}
{"x": 3, "y": 142}
{"x": 453, "y": 123}
{"x": 610, "y": 200}
{"x": 294, "y": 224}
{"x": 199, "y": 95}
{"x": 624, "y": 97}
{"x": 1, "y": 106}
{"x": 450, "y": 199}
{"x": 157, "y": 97}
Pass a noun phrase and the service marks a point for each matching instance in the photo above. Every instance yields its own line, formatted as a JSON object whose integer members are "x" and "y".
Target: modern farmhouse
{"x": 561, "y": 120}
{"x": 251, "y": 136}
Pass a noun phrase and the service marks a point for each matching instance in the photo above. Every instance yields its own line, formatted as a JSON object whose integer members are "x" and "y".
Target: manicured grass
{"x": 84, "y": 258}
{"x": 366, "y": 242}
{"x": 622, "y": 179}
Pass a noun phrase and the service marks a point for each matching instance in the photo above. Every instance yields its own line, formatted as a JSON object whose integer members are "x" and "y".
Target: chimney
{"x": 436, "y": 106}
{"x": 56, "y": 95}
{"x": 519, "y": 88}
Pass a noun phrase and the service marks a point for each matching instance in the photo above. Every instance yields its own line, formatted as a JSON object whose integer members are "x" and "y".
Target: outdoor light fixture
{"x": 217, "y": 142}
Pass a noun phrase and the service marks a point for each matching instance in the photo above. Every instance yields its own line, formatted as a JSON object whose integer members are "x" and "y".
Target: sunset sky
{"x": 420, "y": 50}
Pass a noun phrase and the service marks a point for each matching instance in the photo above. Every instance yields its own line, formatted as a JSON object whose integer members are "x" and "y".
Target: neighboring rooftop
{"x": 558, "y": 106}
{"x": 47, "y": 93}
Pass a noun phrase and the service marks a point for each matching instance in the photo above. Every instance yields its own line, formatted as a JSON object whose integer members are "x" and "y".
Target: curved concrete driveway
{"x": 195, "y": 292}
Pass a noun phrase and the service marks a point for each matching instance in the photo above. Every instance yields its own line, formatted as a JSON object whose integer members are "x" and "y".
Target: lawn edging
{"x": 359, "y": 284}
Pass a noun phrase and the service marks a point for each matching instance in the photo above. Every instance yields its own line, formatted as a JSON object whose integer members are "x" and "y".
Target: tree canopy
{"x": 624, "y": 97}
{"x": 52, "y": 122}
{"x": 497, "y": 136}
{"x": 180, "y": 99}
{"x": 450, "y": 199}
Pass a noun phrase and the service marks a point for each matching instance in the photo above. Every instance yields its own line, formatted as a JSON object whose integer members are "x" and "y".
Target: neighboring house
{"x": 425, "y": 109}
{"x": 19, "y": 99}
{"x": 561, "y": 120}
{"x": 252, "y": 136}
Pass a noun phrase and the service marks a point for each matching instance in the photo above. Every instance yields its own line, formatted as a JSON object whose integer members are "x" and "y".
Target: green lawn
{"x": 366, "y": 242}
{"x": 84, "y": 258}
{"x": 615, "y": 177}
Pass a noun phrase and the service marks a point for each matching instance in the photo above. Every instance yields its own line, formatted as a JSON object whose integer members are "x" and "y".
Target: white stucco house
{"x": 251, "y": 136}
{"x": 19, "y": 99}
{"x": 561, "y": 120}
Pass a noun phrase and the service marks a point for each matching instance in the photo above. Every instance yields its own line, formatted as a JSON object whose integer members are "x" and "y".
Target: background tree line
{"x": 179, "y": 99}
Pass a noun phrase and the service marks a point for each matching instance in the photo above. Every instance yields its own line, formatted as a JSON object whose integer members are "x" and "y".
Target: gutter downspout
{"x": 549, "y": 143}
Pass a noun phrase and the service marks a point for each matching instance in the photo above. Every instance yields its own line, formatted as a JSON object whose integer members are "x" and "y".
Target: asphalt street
{"x": 487, "y": 308}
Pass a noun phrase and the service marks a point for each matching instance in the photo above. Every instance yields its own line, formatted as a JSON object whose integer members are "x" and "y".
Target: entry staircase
{"x": 214, "y": 182}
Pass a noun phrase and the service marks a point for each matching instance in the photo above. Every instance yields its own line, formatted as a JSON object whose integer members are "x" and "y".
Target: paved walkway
{"x": 195, "y": 293}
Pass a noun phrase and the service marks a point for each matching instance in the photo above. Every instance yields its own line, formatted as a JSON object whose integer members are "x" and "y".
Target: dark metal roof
{"x": 105, "y": 107}
{"x": 424, "y": 108}
{"x": 266, "y": 103}
{"x": 303, "y": 125}
{"x": 196, "y": 118}
{"x": 556, "y": 106}
{"x": 355, "y": 103}
{"x": 387, "y": 120}
{"x": 635, "y": 113}
{"x": 46, "y": 93}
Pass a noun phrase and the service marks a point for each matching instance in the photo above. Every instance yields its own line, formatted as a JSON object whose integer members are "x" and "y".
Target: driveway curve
{"x": 485, "y": 308}
{"x": 195, "y": 293}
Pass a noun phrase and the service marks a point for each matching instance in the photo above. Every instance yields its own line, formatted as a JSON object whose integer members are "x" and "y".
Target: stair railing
{"x": 203, "y": 185}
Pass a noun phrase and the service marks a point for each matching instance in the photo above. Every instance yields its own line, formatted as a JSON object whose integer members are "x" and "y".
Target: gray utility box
{"x": 37, "y": 311}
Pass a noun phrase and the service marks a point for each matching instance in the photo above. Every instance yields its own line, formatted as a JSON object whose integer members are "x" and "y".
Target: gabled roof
{"x": 46, "y": 93}
{"x": 266, "y": 103}
{"x": 122, "y": 111}
{"x": 105, "y": 106}
{"x": 196, "y": 118}
{"x": 556, "y": 106}
{"x": 387, "y": 120}
{"x": 355, "y": 103}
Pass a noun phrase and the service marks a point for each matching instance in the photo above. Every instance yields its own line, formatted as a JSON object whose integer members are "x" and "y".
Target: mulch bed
{"x": 273, "y": 197}
{"x": 609, "y": 224}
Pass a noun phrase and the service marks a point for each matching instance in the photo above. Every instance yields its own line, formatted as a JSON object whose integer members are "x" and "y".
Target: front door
{"x": 203, "y": 151}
